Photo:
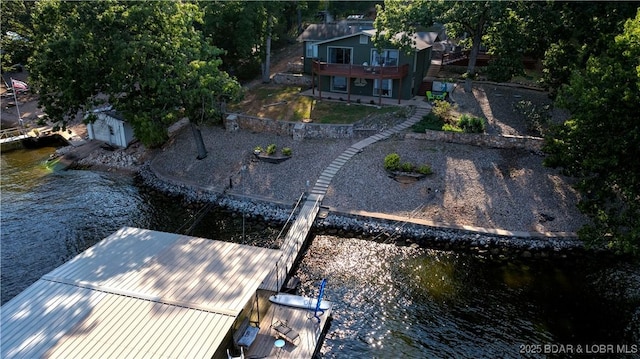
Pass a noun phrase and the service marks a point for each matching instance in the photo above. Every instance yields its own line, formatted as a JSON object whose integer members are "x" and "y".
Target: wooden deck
{"x": 292, "y": 243}
{"x": 360, "y": 71}
{"x": 300, "y": 320}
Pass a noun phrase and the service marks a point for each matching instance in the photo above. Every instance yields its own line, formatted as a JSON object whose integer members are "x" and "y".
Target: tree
{"x": 600, "y": 143}
{"x": 579, "y": 30}
{"x": 467, "y": 20}
{"x": 143, "y": 58}
{"x": 15, "y": 23}
{"x": 243, "y": 29}
{"x": 524, "y": 29}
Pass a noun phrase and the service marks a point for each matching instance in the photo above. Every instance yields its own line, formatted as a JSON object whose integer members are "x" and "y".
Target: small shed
{"x": 137, "y": 294}
{"x": 110, "y": 127}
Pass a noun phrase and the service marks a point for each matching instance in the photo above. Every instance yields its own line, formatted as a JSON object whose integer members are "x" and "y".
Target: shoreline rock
{"x": 404, "y": 233}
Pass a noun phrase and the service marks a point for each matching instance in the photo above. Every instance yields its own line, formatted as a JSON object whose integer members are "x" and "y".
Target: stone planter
{"x": 405, "y": 177}
{"x": 270, "y": 158}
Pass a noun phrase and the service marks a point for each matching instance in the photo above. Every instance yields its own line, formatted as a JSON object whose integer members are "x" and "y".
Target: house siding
{"x": 110, "y": 130}
{"x": 361, "y": 53}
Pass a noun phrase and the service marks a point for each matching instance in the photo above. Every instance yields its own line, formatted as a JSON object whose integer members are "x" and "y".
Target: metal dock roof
{"x": 136, "y": 294}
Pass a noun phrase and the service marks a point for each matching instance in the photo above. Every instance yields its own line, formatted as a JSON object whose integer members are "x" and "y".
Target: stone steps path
{"x": 299, "y": 230}
{"x": 322, "y": 184}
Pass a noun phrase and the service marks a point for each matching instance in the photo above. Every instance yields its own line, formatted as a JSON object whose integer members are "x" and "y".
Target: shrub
{"x": 451, "y": 128}
{"x": 470, "y": 124}
{"x": 407, "y": 167}
{"x": 441, "y": 109}
{"x": 425, "y": 170}
{"x": 271, "y": 149}
{"x": 538, "y": 118}
{"x": 287, "y": 151}
{"x": 257, "y": 149}
{"x": 428, "y": 122}
{"x": 392, "y": 162}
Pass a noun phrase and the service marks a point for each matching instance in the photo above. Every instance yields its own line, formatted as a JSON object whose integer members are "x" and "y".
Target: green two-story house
{"x": 352, "y": 65}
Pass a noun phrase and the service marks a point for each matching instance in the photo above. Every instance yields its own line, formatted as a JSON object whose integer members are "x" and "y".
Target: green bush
{"x": 451, "y": 128}
{"x": 287, "y": 151}
{"x": 424, "y": 169}
{"x": 271, "y": 149}
{"x": 407, "y": 167}
{"x": 257, "y": 149}
{"x": 471, "y": 124}
{"x": 441, "y": 109}
{"x": 392, "y": 162}
{"x": 537, "y": 117}
{"x": 428, "y": 122}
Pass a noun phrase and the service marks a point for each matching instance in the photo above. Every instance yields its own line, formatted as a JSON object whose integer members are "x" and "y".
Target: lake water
{"x": 390, "y": 300}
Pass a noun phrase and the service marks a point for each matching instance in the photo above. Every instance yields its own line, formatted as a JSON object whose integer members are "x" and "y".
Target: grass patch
{"x": 341, "y": 113}
{"x": 285, "y": 103}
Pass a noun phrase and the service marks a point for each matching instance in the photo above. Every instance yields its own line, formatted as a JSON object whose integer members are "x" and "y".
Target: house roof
{"x": 321, "y": 32}
{"x": 421, "y": 40}
{"x": 136, "y": 294}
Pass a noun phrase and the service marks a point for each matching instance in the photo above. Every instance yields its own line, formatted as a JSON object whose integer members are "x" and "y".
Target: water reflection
{"x": 391, "y": 301}
{"x": 49, "y": 215}
{"x": 394, "y": 301}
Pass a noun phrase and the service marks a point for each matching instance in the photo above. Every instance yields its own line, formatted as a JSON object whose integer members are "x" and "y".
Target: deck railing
{"x": 12, "y": 132}
{"x": 373, "y": 72}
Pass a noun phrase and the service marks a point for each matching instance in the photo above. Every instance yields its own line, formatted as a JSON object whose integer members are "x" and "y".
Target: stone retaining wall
{"x": 298, "y": 130}
{"x": 291, "y": 79}
{"x": 490, "y": 245}
{"x": 533, "y": 144}
{"x": 236, "y": 121}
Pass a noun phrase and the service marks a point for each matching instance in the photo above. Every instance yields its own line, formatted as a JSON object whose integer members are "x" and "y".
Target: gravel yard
{"x": 481, "y": 187}
{"x": 472, "y": 186}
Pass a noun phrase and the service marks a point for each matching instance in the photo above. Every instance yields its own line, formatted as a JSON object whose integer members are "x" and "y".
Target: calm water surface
{"x": 390, "y": 301}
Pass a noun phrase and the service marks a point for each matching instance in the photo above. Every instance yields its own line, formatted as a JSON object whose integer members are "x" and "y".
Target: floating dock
{"x": 148, "y": 294}
{"x": 310, "y": 330}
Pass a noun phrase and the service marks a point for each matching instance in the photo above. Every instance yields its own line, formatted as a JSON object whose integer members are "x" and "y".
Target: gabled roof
{"x": 321, "y": 32}
{"x": 421, "y": 40}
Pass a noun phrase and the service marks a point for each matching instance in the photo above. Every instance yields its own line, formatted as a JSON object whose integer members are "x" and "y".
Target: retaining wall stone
{"x": 533, "y": 144}
{"x": 490, "y": 245}
{"x": 291, "y": 79}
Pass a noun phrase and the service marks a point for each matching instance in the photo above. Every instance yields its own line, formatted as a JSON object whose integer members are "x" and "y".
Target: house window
{"x": 384, "y": 90}
{"x": 364, "y": 39}
{"x": 385, "y": 57}
{"x": 339, "y": 84}
{"x": 339, "y": 55}
{"x": 312, "y": 50}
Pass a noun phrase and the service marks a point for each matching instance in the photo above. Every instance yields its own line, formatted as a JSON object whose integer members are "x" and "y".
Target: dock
{"x": 301, "y": 320}
{"x": 293, "y": 243}
{"x": 137, "y": 294}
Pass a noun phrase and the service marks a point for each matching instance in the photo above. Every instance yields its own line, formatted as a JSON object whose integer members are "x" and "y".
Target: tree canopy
{"x": 577, "y": 30}
{"x": 146, "y": 59}
{"x": 15, "y": 23}
{"x": 468, "y": 21}
{"x": 600, "y": 144}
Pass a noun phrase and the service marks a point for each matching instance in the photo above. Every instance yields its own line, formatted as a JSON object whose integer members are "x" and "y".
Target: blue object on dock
{"x": 322, "y": 285}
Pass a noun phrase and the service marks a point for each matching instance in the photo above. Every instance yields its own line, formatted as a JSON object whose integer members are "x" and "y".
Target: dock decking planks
{"x": 300, "y": 320}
